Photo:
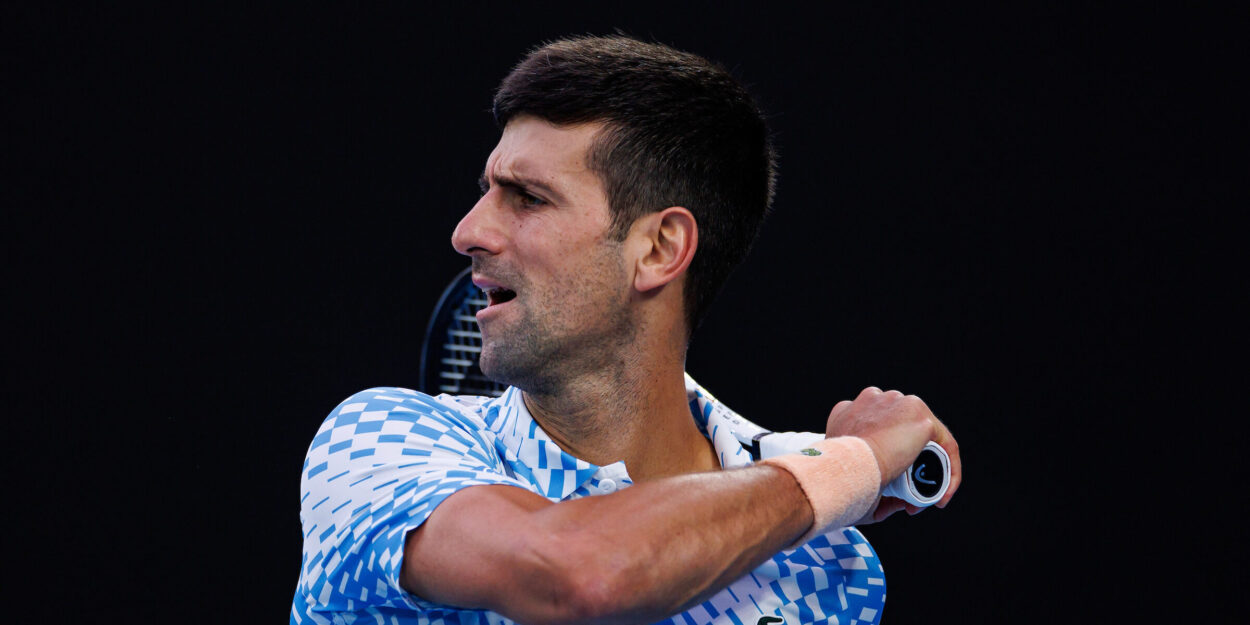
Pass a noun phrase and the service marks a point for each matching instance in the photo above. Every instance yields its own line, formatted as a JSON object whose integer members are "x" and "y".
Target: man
{"x": 603, "y": 486}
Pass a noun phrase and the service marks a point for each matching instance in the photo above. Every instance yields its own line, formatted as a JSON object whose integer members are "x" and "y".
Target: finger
{"x": 871, "y": 391}
{"x": 912, "y": 510}
{"x": 839, "y": 408}
{"x": 888, "y": 506}
{"x": 943, "y": 437}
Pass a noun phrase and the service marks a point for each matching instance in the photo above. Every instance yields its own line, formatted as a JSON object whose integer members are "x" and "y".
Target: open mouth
{"x": 498, "y": 295}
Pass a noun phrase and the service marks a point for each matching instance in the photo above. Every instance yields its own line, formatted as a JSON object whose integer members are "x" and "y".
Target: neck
{"x": 635, "y": 411}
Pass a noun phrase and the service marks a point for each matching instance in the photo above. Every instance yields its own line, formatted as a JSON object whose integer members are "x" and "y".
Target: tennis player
{"x": 604, "y": 486}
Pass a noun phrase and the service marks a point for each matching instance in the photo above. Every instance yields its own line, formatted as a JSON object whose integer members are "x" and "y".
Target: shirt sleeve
{"x": 378, "y": 467}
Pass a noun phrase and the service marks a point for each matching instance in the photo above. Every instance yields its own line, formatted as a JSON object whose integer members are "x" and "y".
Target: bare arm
{"x": 637, "y": 555}
{"x": 648, "y": 551}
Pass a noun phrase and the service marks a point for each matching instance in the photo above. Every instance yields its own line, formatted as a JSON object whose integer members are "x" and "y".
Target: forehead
{"x": 533, "y": 150}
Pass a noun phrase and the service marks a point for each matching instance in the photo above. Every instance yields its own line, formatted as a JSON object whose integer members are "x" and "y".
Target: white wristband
{"x": 840, "y": 478}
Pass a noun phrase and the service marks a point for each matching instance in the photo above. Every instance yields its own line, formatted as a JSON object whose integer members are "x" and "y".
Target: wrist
{"x": 840, "y": 478}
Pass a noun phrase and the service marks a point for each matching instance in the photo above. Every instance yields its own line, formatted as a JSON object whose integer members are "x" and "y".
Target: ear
{"x": 664, "y": 243}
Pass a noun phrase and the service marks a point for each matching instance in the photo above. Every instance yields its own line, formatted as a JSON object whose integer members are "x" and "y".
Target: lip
{"x": 490, "y": 310}
{"x": 484, "y": 283}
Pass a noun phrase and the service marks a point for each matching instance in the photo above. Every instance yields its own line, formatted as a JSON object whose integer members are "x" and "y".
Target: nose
{"x": 478, "y": 231}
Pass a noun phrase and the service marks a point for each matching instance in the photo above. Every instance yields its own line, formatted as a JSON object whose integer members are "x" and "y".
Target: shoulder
{"x": 390, "y": 398}
{"x": 380, "y": 464}
{"x": 389, "y": 408}
{"x": 391, "y": 424}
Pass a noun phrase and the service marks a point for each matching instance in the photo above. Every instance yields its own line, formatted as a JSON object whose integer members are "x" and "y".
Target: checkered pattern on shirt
{"x": 385, "y": 458}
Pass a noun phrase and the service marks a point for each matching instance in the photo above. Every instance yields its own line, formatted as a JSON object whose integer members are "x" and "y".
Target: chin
{"x": 514, "y": 371}
{"x": 496, "y": 367}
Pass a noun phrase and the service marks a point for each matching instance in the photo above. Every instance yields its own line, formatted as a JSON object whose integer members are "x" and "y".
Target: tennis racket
{"x": 449, "y": 364}
{"x": 453, "y": 343}
{"x": 922, "y": 485}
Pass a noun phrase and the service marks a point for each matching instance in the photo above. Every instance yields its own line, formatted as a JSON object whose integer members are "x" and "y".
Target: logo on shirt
{"x": 765, "y": 620}
{"x": 808, "y": 452}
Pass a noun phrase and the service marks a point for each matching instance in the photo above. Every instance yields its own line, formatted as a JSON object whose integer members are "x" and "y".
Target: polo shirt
{"x": 385, "y": 458}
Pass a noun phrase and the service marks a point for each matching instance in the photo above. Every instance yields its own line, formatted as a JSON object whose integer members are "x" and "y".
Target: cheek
{"x": 560, "y": 252}
{"x": 568, "y": 259}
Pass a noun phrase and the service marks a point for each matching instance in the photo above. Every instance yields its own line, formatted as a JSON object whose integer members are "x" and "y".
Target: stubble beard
{"x": 564, "y": 332}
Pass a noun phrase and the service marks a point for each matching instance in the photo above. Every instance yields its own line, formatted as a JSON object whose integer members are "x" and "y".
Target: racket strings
{"x": 459, "y": 373}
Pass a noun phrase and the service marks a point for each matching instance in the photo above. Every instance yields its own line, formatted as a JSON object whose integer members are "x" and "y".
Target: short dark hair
{"x": 679, "y": 131}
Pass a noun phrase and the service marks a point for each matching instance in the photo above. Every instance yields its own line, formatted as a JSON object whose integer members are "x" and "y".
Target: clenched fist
{"x": 896, "y": 427}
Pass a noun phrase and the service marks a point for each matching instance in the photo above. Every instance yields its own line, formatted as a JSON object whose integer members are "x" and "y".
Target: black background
{"x": 228, "y": 220}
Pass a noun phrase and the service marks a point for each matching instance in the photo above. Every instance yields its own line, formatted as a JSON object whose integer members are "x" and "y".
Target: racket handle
{"x": 925, "y": 482}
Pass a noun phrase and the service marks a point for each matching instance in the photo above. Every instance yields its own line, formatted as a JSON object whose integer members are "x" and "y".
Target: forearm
{"x": 637, "y": 555}
{"x": 654, "y": 549}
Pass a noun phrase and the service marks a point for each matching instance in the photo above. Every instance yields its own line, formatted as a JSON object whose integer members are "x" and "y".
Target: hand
{"x": 896, "y": 427}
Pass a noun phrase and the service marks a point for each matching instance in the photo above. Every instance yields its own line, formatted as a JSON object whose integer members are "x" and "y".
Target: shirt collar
{"x": 531, "y": 453}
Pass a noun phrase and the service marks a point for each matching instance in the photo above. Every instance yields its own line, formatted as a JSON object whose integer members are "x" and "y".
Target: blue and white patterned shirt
{"x": 386, "y": 457}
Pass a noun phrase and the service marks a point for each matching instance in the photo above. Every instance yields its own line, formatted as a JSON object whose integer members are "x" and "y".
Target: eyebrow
{"x": 521, "y": 184}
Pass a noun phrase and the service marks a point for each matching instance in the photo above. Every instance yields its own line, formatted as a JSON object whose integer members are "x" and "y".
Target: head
{"x": 629, "y": 180}
{"x": 559, "y": 287}
{"x": 678, "y": 130}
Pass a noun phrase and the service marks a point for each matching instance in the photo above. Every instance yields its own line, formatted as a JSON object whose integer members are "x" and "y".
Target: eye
{"x": 529, "y": 200}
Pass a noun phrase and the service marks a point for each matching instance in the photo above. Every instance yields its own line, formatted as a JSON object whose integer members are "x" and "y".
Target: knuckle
{"x": 916, "y": 406}
{"x": 917, "y": 414}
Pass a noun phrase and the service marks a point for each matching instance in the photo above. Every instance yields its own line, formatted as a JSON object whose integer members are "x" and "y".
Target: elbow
{"x": 589, "y": 597}
{"x": 581, "y": 586}
{"x": 594, "y": 597}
